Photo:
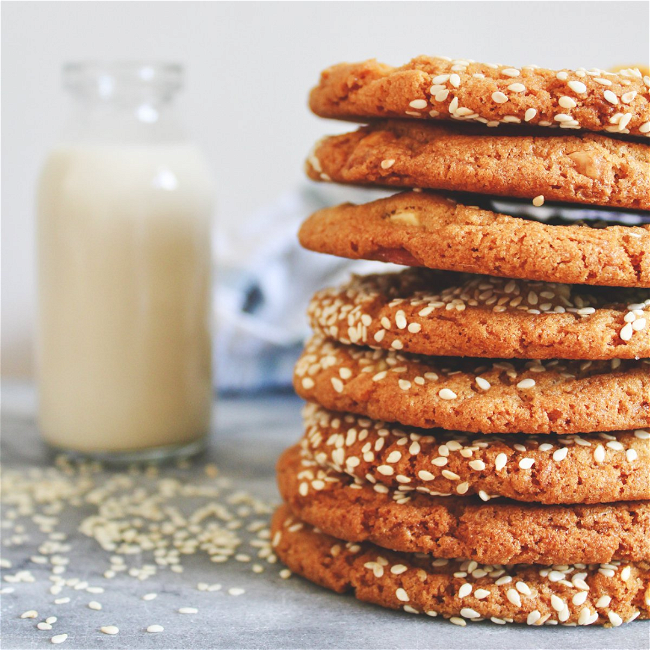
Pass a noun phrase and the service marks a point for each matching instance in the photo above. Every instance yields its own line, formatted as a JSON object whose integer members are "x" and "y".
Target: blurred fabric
{"x": 264, "y": 282}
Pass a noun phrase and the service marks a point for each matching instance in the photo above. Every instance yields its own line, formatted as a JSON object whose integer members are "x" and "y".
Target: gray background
{"x": 250, "y": 66}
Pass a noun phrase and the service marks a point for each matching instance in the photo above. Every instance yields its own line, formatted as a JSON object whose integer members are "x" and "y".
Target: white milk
{"x": 124, "y": 284}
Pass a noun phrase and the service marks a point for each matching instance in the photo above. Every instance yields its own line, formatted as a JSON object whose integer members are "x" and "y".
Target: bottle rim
{"x": 106, "y": 77}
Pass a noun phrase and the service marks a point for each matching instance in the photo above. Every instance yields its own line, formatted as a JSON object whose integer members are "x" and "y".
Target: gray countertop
{"x": 273, "y": 612}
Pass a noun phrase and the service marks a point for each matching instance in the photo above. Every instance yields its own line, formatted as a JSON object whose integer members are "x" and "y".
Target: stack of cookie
{"x": 477, "y": 440}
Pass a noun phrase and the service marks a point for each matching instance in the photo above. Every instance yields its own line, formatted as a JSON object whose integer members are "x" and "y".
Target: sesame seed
{"x": 418, "y": 103}
{"x": 517, "y": 88}
{"x": 533, "y": 617}
{"x": 610, "y": 97}
{"x": 500, "y": 461}
{"x": 499, "y": 97}
{"x": 109, "y": 629}
{"x": 603, "y": 601}
{"x": 465, "y": 590}
{"x": 447, "y": 394}
{"x": 149, "y": 596}
{"x": 44, "y": 626}
{"x": 388, "y": 163}
{"x": 567, "y": 102}
{"x": 468, "y": 612}
{"x": 93, "y": 604}
{"x": 560, "y": 454}
{"x": 530, "y": 114}
{"x": 557, "y": 603}
{"x": 154, "y": 629}
{"x": 337, "y": 384}
{"x": 480, "y": 594}
{"x": 188, "y": 610}
{"x": 404, "y": 384}
{"x": 483, "y": 383}
{"x": 425, "y": 476}
{"x": 31, "y": 613}
{"x": 58, "y": 638}
{"x": 510, "y": 72}
{"x": 614, "y": 619}
{"x": 526, "y": 463}
{"x": 454, "y": 80}
{"x": 538, "y": 201}
{"x": 577, "y": 87}
{"x": 625, "y": 573}
{"x": 580, "y": 598}
{"x": 513, "y": 596}
{"x": 526, "y": 383}
{"x": 631, "y": 455}
{"x": 452, "y": 476}
{"x": 402, "y": 595}
{"x": 477, "y": 465}
{"x": 386, "y": 470}
{"x": 599, "y": 454}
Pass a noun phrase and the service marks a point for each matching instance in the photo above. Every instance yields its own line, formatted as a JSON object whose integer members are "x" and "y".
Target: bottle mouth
{"x": 105, "y": 79}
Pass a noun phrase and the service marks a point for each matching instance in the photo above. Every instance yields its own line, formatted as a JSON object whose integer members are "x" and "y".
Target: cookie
{"x": 476, "y": 395}
{"x": 442, "y": 89}
{"x": 499, "y": 531}
{"x": 586, "y": 168}
{"x": 441, "y": 313}
{"x": 464, "y": 591}
{"x": 430, "y": 230}
{"x": 588, "y": 468}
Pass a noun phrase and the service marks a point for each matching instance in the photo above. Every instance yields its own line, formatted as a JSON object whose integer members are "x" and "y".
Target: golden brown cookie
{"x": 464, "y": 591}
{"x": 441, "y": 88}
{"x": 500, "y": 531}
{"x": 582, "y": 168}
{"x": 426, "y": 229}
{"x": 476, "y": 395}
{"x": 587, "y": 468}
{"x": 441, "y": 313}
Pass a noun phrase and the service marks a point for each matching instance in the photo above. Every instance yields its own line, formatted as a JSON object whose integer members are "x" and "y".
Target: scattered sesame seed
{"x": 188, "y": 610}
{"x": 109, "y": 629}
{"x": 58, "y": 638}
{"x": 538, "y": 201}
{"x": 93, "y": 604}
{"x": 31, "y": 613}
{"x": 154, "y": 629}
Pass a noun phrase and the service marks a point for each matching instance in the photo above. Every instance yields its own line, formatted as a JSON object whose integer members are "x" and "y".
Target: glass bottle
{"x": 124, "y": 270}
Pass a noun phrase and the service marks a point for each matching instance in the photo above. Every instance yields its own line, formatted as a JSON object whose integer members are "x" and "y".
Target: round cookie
{"x": 441, "y": 313}
{"x": 504, "y": 532}
{"x": 442, "y": 89}
{"x": 476, "y": 395}
{"x": 585, "y": 168}
{"x": 588, "y": 468}
{"x": 464, "y": 591}
{"x": 427, "y": 229}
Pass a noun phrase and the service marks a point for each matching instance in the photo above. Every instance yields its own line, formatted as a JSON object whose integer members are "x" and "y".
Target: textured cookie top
{"x": 439, "y": 313}
{"x": 587, "y": 468}
{"x": 464, "y": 590}
{"x": 476, "y": 395}
{"x": 427, "y": 229}
{"x": 441, "y": 88}
{"x": 500, "y": 531}
{"x": 584, "y": 167}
